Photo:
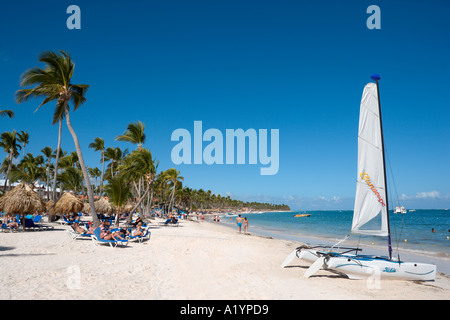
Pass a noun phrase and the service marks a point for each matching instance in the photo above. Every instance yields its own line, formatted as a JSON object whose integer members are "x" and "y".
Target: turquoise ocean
{"x": 411, "y": 233}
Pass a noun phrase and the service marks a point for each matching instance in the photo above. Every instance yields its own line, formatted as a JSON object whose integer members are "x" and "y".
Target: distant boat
{"x": 400, "y": 209}
{"x": 301, "y": 215}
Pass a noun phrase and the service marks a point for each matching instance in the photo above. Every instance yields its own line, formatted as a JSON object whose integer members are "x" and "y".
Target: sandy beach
{"x": 197, "y": 260}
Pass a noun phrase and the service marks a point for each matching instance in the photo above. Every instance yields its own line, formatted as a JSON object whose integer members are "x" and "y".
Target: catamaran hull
{"x": 363, "y": 268}
{"x": 308, "y": 255}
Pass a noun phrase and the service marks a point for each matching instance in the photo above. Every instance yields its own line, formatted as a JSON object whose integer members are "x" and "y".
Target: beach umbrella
{"x": 86, "y": 208}
{"x": 21, "y": 200}
{"x": 102, "y": 206}
{"x": 49, "y": 205}
{"x": 68, "y": 204}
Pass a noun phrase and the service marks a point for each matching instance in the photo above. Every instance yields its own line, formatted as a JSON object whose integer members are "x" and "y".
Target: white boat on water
{"x": 400, "y": 209}
{"x": 371, "y": 213}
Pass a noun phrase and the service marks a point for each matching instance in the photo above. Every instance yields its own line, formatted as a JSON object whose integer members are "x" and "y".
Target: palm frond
{"x": 6, "y": 113}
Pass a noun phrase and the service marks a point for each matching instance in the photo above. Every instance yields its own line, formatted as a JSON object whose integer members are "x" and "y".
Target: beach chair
{"x": 73, "y": 234}
{"x": 63, "y": 221}
{"x": 170, "y": 223}
{"x": 96, "y": 239}
{"x": 5, "y": 228}
{"x": 146, "y": 235}
{"x": 30, "y": 225}
{"x": 37, "y": 219}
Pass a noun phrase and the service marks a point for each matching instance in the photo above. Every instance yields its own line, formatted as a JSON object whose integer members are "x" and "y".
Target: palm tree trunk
{"x": 95, "y": 219}
{"x": 47, "y": 178}
{"x": 130, "y": 217}
{"x": 171, "y": 203}
{"x": 103, "y": 172}
{"x": 8, "y": 170}
{"x": 58, "y": 149}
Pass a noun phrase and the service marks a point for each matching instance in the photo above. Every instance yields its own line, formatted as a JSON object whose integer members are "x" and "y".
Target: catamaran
{"x": 371, "y": 211}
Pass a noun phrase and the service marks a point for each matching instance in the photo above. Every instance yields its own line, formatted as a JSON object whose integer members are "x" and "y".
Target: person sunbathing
{"x": 118, "y": 235}
{"x": 78, "y": 228}
{"x": 12, "y": 224}
{"x": 138, "y": 231}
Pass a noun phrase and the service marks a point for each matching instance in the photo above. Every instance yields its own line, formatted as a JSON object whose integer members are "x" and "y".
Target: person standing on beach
{"x": 239, "y": 223}
{"x": 245, "y": 224}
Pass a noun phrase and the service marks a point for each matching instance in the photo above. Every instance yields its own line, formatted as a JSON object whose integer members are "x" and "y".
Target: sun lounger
{"x": 5, "y": 228}
{"x": 146, "y": 235}
{"x": 96, "y": 239}
{"x": 170, "y": 223}
{"x": 30, "y": 225}
{"x": 64, "y": 221}
{"x": 73, "y": 234}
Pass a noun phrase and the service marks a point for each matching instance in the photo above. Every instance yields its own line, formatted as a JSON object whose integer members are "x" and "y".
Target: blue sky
{"x": 296, "y": 66}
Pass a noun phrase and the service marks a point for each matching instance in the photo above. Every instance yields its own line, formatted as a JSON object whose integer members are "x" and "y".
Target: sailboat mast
{"x": 376, "y": 77}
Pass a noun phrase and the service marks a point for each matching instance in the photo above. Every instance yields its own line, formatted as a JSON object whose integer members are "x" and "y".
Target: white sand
{"x": 194, "y": 261}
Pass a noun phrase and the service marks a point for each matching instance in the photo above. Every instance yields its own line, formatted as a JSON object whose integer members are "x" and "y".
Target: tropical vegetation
{"x": 126, "y": 178}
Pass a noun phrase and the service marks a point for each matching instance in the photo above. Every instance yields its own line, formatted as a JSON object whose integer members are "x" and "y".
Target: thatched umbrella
{"x": 86, "y": 208}
{"x": 101, "y": 206}
{"x": 49, "y": 205}
{"x": 68, "y": 204}
{"x": 128, "y": 207}
{"x": 21, "y": 200}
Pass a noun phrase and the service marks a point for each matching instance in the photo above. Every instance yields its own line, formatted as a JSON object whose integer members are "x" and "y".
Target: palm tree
{"x": 24, "y": 138}
{"x": 174, "y": 177}
{"x": 139, "y": 167}
{"x": 99, "y": 145}
{"x": 6, "y": 113}
{"x": 115, "y": 155}
{"x": 29, "y": 170}
{"x": 71, "y": 179}
{"x": 134, "y": 134}
{"x": 58, "y": 151}
{"x": 48, "y": 154}
{"x": 9, "y": 143}
{"x": 54, "y": 83}
{"x": 95, "y": 173}
{"x": 118, "y": 191}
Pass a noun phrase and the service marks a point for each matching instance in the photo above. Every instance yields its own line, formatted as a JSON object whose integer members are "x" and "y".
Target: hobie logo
{"x": 366, "y": 178}
{"x": 389, "y": 270}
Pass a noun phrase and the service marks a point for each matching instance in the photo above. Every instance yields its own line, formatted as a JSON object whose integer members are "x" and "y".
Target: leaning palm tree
{"x": 134, "y": 134}
{"x": 53, "y": 82}
{"x": 6, "y": 113}
{"x": 99, "y": 145}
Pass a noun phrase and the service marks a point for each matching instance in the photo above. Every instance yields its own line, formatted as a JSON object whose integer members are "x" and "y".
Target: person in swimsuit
{"x": 239, "y": 223}
{"x": 138, "y": 231}
{"x": 245, "y": 224}
{"x": 78, "y": 229}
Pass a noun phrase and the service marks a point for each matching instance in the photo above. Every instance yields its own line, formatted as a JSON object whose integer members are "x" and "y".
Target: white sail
{"x": 370, "y": 200}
